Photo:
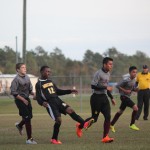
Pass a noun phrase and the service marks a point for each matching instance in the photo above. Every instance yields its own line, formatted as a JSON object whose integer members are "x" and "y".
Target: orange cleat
{"x": 88, "y": 124}
{"x": 54, "y": 141}
{"x": 107, "y": 139}
{"x": 78, "y": 130}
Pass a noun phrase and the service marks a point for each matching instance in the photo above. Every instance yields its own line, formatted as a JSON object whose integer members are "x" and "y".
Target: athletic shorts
{"x": 100, "y": 103}
{"x": 24, "y": 110}
{"x": 126, "y": 102}
{"x": 56, "y": 107}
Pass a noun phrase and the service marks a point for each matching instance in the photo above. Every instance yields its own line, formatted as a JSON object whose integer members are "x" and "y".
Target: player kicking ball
{"x": 47, "y": 95}
{"x": 126, "y": 87}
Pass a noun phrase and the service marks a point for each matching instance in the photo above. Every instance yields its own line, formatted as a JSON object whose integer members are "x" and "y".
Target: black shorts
{"x": 126, "y": 102}
{"x": 24, "y": 110}
{"x": 56, "y": 107}
{"x": 100, "y": 103}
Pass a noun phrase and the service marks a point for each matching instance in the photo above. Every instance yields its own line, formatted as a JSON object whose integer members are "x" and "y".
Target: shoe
{"x": 145, "y": 118}
{"x": 19, "y": 128}
{"x": 134, "y": 127}
{"x": 30, "y": 141}
{"x": 88, "y": 124}
{"x": 107, "y": 139}
{"x": 54, "y": 141}
{"x": 78, "y": 130}
{"x": 112, "y": 128}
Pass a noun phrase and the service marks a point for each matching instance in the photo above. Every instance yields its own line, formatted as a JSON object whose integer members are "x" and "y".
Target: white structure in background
{"x": 6, "y": 79}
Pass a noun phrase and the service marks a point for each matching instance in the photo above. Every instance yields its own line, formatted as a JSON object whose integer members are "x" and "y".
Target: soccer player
{"x": 47, "y": 95}
{"x": 126, "y": 86}
{"x": 21, "y": 88}
{"x": 143, "y": 98}
{"x": 99, "y": 101}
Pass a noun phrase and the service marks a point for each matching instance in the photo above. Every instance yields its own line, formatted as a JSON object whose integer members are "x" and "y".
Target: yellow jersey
{"x": 143, "y": 81}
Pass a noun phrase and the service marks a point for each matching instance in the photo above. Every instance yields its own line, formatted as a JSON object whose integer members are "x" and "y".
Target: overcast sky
{"x": 77, "y": 25}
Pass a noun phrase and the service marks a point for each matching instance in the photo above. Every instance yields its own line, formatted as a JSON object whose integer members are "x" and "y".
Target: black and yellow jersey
{"x": 46, "y": 89}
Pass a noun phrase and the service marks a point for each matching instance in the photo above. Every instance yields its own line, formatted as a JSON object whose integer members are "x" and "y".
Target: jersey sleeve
{"x": 60, "y": 92}
{"x": 39, "y": 97}
{"x": 14, "y": 87}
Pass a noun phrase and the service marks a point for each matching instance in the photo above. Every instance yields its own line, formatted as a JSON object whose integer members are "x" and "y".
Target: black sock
{"x": 22, "y": 122}
{"x": 28, "y": 129}
{"x": 133, "y": 117}
{"x": 106, "y": 128}
{"x": 77, "y": 118}
{"x": 116, "y": 117}
{"x": 56, "y": 131}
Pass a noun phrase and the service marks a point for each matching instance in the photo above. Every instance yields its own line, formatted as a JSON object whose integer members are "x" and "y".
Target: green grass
{"x": 125, "y": 138}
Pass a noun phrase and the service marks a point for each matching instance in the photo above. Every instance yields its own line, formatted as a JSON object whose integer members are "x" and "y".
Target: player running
{"x": 21, "y": 88}
{"x": 126, "y": 86}
{"x": 99, "y": 101}
{"x": 47, "y": 95}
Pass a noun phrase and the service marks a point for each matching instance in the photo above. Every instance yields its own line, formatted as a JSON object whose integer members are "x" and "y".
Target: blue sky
{"x": 77, "y": 25}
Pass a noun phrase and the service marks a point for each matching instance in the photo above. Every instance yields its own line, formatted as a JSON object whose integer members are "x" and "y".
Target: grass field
{"x": 125, "y": 138}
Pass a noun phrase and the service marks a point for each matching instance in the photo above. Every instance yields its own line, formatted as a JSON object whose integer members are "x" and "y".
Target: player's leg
{"x": 146, "y": 104}
{"x": 56, "y": 128}
{"x": 139, "y": 103}
{"x": 19, "y": 126}
{"x": 105, "y": 109}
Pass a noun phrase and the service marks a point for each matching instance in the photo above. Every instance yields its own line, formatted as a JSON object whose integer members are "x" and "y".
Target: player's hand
{"x": 113, "y": 102}
{"x": 45, "y": 104}
{"x": 127, "y": 91}
{"x": 109, "y": 88}
{"x": 25, "y": 102}
{"x": 74, "y": 92}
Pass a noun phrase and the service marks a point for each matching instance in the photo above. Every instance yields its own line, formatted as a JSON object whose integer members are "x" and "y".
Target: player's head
{"x": 21, "y": 68}
{"x": 107, "y": 63}
{"x": 45, "y": 72}
{"x": 132, "y": 71}
{"x": 145, "y": 69}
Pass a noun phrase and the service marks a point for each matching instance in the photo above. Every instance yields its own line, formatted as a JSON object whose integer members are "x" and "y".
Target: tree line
{"x": 62, "y": 66}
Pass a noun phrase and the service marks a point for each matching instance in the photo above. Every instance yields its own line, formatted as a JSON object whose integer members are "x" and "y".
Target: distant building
{"x": 6, "y": 79}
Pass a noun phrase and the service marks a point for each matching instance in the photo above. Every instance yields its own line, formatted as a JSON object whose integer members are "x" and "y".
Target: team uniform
{"x": 21, "y": 85}
{"x": 127, "y": 84}
{"x": 47, "y": 91}
{"x": 143, "y": 97}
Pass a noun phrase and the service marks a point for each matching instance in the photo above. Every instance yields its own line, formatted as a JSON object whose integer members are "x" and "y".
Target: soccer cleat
{"x": 19, "y": 128}
{"x": 88, "y": 124}
{"x": 30, "y": 141}
{"x": 134, "y": 127}
{"x": 78, "y": 130}
{"x": 107, "y": 139}
{"x": 54, "y": 141}
{"x": 112, "y": 128}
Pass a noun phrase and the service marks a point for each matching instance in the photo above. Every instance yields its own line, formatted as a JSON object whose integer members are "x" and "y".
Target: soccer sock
{"x": 77, "y": 118}
{"x": 106, "y": 128}
{"x": 116, "y": 117}
{"x": 22, "y": 122}
{"x": 133, "y": 117}
{"x": 28, "y": 129}
{"x": 88, "y": 119}
{"x": 56, "y": 131}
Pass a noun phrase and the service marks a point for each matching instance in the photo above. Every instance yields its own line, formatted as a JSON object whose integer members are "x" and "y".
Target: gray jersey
{"x": 127, "y": 84}
{"x": 21, "y": 85}
{"x": 101, "y": 80}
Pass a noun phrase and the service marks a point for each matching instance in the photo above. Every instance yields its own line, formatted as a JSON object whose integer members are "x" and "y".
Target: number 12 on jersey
{"x": 51, "y": 90}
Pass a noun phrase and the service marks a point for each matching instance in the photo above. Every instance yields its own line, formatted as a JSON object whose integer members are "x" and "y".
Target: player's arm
{"x": 111, "y": 97}
{"x": 39, "y": 98}
{"x": 14, "y": 92}
{"x": 121, "y": 86}
{"x": 63, "y": 92}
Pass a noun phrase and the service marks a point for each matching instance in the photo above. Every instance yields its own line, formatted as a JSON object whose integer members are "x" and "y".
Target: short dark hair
{"x": 18, "y": 65}
{"x": 132, "y": 68}
{"x": 43, "y": 68}
{"x": 106, "y": 60}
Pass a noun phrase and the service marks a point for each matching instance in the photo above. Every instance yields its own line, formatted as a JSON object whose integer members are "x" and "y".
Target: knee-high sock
{"x": 106, "y": 128}
{"x": 56, "y": 131}
{"x": 133, "y": 117}
{"x": 22, "y": 122}
{"x": 116, "y": 117}
{"x": 28, "y": 129}
{"x": 77, "y": 118}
